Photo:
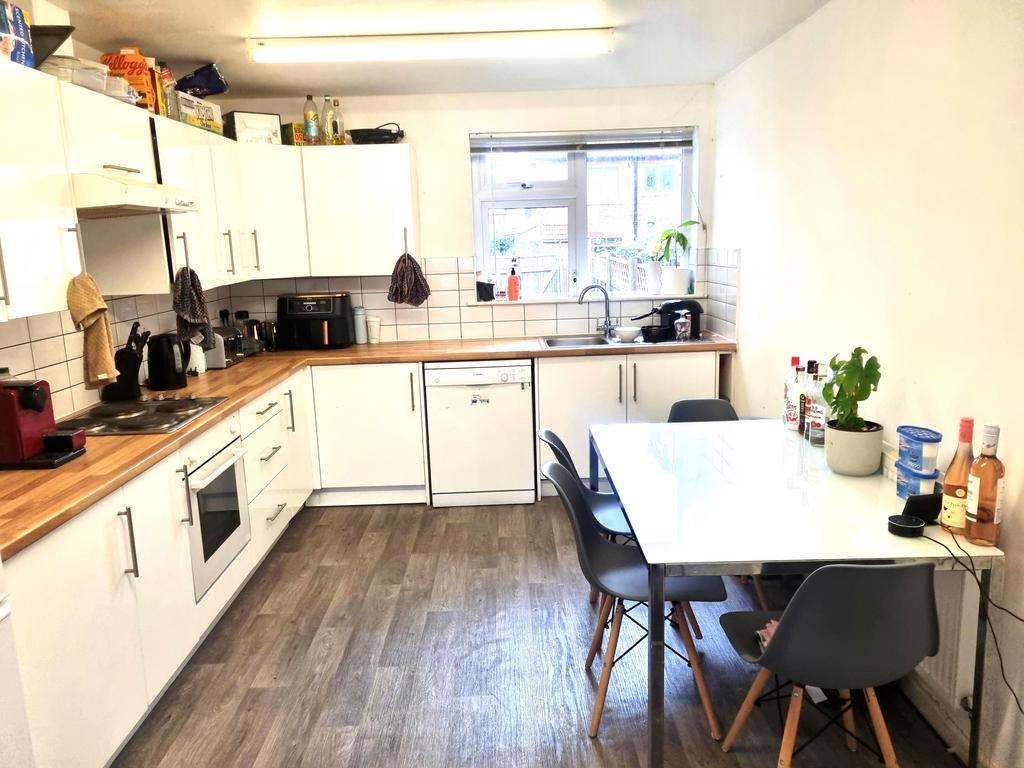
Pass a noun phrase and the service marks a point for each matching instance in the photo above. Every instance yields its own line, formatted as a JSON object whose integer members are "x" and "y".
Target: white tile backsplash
{"x": 476, "y": 315}
{"x": 44, "y": 326}
{"x": 18, "y": 359}
{"x": 570, "y": 311}
{"x": 57, "y": 376}
{"x": 413, "y": 332}
{"x": 445, "y": 331}
{"x": 574, "y": 325}
{"x": 377, "y": 301}
{"x": 509, "y": 329}
{"x": 540, "y": 327}
{"x": 411, "y": 316}
{"x": 477, "y": 331}
{"x": 540, "y": 311}
{"x": 443, "y": 315}
{"x": 444, "y": 283}
{"x": 311, "y": 284}
{"x": 441, "y": 266}
{"x": 504, "y": 312}
{"x": 14, "y": 332}
{"x": 48, "y": 352}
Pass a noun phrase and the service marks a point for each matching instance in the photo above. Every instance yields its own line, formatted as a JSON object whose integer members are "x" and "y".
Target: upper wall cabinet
{"x": 359, "y": 202}
{"x": 275, "y": 211}
{"x": 38, "y": 243}
{"x": 231, "y": 217}
{"x": 105, "y": 135}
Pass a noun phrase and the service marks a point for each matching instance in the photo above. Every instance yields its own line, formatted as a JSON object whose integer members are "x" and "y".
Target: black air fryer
{"x": 315, "y": 321}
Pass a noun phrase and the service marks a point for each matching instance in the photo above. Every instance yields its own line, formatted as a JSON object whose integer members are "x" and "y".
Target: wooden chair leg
{"x": 688, "y": 610}
{"x": 698, "y": 672}
{"x": 848, "y": 721}
{"x": 606, "y": 671}
{"x": 881, "y": 732}
{"x": 593, "y": 595}
{"x": 796, "y": 700}
{"x": 746, "y": 708}
{"x": 602, "y": 619}
{"x": 762, "y": 598}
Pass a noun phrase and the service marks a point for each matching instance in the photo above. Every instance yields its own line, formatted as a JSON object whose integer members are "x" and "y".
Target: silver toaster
{"x": 227, "y": 348}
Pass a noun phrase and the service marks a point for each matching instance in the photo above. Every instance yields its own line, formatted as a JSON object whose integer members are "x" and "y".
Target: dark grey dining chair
{"x": 710, "y": 409}
{"x": 619, "y": 572}
{"x": 848, "y": 627}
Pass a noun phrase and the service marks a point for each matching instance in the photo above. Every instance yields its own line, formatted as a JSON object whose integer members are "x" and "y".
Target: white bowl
{"x": 627, "y": 332}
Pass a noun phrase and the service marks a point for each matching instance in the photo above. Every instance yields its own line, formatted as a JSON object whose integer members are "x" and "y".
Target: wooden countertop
{"x": 35, "y": 502}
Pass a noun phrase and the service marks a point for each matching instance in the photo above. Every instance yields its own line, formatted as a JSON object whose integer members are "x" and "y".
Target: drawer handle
{"x": 134, "y": 570}
{"x": 231, "y": 250}
{"x": 277, "y": 512}
{"x": 125, "y": 168}
{"x": 268, "y": 409}
{"x": 273, "y": 452}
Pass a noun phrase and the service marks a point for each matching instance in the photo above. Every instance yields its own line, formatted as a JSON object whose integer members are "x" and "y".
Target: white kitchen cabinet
{"x": 38, "y": 243}
{"x": 167, "y": 617}
{"x": 303, "y": 472}
{"x": 77, "y": 637}
{"x": 232, "y": 221}
{"x": 575, "y": 392}
{"x": 185, "y": 161}
{"x": 105, "y": 135}
{"x": 275, "y": 211}
{"x": 656, "y": 380}
{"x": 359, "y": 201}
{"x": 368, "y": 425}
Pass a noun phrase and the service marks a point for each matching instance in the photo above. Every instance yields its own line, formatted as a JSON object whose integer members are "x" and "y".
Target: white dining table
{"x": 743, "y": 497}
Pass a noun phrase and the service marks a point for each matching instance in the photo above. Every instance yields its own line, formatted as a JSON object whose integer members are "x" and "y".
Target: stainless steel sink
{"x": 573, "y": 341}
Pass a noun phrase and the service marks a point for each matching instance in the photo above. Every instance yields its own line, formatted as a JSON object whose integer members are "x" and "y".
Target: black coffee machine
{"x": 315, "y": 321}
{"x": 664, "y": 329}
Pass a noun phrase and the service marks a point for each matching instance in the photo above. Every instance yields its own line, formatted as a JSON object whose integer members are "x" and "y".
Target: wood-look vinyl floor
{"x": 396, "y": 636}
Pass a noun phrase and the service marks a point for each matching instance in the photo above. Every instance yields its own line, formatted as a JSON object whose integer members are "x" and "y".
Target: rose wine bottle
{"x": 954, "y": 482}
{"x": 986, "y": 488}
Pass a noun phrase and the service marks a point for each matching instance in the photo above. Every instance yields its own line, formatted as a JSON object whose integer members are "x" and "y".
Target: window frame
{"x": 571, "y": 193}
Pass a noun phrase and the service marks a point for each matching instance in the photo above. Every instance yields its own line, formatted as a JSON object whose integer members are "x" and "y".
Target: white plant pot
{"x": 675, "y": 280}
{"x": 853, "y": 453}
{"x": 653, "y": 271}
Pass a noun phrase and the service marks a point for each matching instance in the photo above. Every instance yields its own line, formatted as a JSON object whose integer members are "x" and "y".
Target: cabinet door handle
{"x": 134, "y": 570}
{"x": 620, "y": 382}
{"x": 256, "y": 248}
{"x": 291, "y": 408}
{"x": 5, "y": 297}
{"x": 231, "y": 250}
{"x": 184, "y": 244}
{"x": 634, "y": 382}
{"x": 412, "y": 391}
{"x": 268, "y": 409}
{"x": 125, "y": 168}
{"x": 272, "y": 454}
{"x": 277, "y": 512}
{"x": 188, "y": 495}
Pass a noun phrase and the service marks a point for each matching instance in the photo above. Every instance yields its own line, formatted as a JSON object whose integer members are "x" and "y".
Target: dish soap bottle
{"x": 513, "y": 283}
{"x": 310, "y": 121}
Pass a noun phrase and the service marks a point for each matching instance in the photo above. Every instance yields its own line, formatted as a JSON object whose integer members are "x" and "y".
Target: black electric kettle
{"x": 168, "y": 361}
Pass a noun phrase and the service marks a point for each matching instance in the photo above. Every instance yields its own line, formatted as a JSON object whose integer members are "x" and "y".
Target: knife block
{"x": 127, "y": 385}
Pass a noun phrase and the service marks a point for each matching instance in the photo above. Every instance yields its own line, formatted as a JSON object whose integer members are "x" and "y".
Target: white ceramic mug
{"x": 373, "y": 329}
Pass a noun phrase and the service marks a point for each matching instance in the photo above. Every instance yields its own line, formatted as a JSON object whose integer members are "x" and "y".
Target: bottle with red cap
{"x": 954, "y": 482}
{"x": 791, "y": 396}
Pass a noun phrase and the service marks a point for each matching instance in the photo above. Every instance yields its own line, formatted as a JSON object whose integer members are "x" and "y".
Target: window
{"x": 578, "y": 209}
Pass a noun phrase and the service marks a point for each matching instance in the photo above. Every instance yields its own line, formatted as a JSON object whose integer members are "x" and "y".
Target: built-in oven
{"x": 218, "y": 514}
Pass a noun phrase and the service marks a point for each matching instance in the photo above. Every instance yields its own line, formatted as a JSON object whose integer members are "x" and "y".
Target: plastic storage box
{"x": 910, "y": 482}
{"x": 919, "y": 447}
{"x": 88, "y": 74}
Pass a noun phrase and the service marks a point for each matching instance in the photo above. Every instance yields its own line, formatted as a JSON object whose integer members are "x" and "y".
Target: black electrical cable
{"x": 995, "y": 639}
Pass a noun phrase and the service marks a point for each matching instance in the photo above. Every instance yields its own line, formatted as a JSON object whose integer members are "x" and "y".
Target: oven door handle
{"x": 220, "y": 469}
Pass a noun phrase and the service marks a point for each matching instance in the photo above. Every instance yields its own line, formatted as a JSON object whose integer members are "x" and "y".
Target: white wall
{"x": 870, "y": 166}
{"x": 438, "y": 127}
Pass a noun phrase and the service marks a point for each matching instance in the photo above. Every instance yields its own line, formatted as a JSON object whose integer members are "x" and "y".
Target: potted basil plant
{"x": 675, "y": 278}
{"x": 853, "y": 446}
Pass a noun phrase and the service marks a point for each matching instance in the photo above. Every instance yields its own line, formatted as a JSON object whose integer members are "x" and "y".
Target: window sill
{"x": 593, "y": 296}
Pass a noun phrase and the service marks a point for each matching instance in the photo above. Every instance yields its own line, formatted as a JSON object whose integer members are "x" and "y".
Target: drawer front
{"x": 212, "y": 440}
{"x": 271, "y": 512}
{"x": 267, "y": 454}
{"x": 261, "y": 410}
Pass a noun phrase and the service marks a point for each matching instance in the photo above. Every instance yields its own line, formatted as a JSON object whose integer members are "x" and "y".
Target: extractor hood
{"x": 105, "y": 196}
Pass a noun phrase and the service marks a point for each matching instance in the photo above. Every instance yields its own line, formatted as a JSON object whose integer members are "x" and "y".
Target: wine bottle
{"x": 986, "y": 488}
{"x": 790, "y": 403}
{"x": 954, "y": 482}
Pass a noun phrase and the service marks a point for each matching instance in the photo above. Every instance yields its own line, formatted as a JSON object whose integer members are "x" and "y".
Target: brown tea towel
{"x": 190, "y": 306}
{"x": 89, "y": 312}
{"x": 408, "y": 285}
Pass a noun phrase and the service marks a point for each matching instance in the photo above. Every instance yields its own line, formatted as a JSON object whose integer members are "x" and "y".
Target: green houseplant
{"x": 675, "y": 279}
{"x": 853, "y": 446}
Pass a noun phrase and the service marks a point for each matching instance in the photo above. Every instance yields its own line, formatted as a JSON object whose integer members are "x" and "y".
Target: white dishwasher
{"x": 480, "y": 434}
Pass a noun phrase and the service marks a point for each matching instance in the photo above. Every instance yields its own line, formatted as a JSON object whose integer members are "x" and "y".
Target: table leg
{"x": 656, "y": 667}
{"x": 979, "y": 669}
{"x": 594, "y": 479}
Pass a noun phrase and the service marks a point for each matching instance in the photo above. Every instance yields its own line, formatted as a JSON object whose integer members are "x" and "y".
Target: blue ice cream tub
{"x": 919, "y": 447}
{"x": 910, "y": 482}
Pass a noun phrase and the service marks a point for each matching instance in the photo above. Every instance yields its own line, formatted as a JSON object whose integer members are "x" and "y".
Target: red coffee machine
{"x": 28, "y": 437}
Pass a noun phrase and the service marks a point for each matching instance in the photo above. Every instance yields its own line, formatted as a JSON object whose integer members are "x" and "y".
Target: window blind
{"x": 483, "y": 143}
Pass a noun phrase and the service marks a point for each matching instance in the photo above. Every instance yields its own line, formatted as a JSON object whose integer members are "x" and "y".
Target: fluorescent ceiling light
{"x": 543, "y": 44}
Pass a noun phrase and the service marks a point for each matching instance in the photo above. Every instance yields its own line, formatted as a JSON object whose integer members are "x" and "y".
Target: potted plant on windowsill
{"x": 675, "y": 278}
{"x": 853, "y": 446}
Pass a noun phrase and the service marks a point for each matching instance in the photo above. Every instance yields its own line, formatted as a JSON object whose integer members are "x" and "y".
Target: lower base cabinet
{"x": 76, "y": 629}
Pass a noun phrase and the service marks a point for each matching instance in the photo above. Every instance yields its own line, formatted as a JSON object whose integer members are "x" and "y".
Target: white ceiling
{"x": 657, "y": 42}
